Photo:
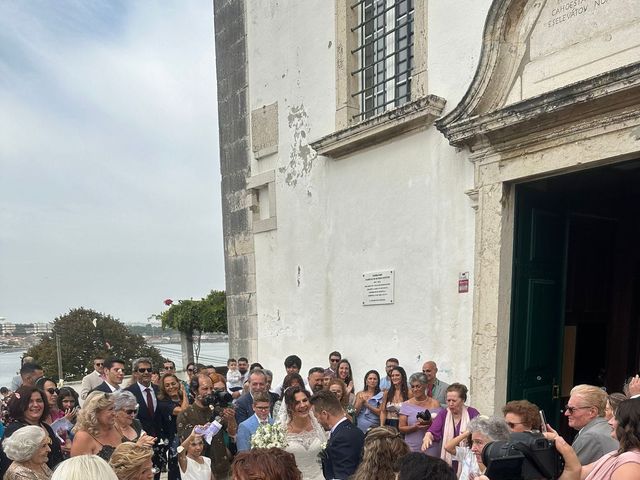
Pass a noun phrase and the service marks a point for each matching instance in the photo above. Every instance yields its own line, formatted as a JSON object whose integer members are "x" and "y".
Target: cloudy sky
{"x": 109, "y": 170}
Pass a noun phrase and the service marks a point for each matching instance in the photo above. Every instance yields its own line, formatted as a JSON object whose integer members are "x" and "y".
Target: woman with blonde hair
{"x": 383, "y": 450}
{"x": 29, "y": 449}
{"x": 132, "y": 462}
{"x": 84, "y": 467}
{"x": 95, "y": 430}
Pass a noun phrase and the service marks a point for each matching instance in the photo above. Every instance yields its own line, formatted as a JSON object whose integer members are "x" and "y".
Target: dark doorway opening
{"x": 576, "y": 287}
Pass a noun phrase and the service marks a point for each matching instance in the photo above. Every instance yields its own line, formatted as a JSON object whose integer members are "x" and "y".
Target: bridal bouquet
{"x": 268, "y": 436}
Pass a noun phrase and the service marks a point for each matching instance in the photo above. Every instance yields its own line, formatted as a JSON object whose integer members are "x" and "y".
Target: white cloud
{"x": 109, "y": 157}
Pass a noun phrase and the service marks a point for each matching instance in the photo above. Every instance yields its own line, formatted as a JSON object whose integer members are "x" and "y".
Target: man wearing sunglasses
{"x": 92, "y": 380}
{"x": 146, "y": 394}
{"x": 585, "y": 413}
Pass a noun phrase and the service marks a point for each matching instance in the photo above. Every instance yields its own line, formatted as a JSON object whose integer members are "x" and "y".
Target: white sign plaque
{"x": 377, "y": 287}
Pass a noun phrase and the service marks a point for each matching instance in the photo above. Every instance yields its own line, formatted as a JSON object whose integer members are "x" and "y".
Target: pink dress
{"x": 604, "y": 468}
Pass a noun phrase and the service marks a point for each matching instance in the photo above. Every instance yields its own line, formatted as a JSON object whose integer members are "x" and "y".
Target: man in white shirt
{"x": 113, "y": 370}
{"x": 92, "y": 380}
{"x": 146, "y": 393}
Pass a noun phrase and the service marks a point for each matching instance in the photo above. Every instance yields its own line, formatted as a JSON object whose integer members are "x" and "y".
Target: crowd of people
{"x": 233, "y": 423}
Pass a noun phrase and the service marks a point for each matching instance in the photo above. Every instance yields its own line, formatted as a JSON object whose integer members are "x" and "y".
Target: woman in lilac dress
{"x": 414, "y": 428}
{"x": 451, "y": 422}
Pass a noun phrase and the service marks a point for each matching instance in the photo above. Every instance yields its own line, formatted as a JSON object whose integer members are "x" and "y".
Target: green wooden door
{"x": 537, "y": 319}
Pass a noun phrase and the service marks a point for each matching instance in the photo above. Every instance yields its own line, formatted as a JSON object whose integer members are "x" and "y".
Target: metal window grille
{"x": 385, "y": 53}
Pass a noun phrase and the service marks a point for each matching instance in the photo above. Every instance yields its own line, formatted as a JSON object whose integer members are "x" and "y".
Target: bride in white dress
{"x": 305, "y": 437}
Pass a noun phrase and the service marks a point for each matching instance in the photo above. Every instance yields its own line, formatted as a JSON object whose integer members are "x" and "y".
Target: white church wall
{"x": 399, "y": 205}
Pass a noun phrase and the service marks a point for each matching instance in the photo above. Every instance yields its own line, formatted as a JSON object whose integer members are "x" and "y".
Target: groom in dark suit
{"x": 344, "y": 448}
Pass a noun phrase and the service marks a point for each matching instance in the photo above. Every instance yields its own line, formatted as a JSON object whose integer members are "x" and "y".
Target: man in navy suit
{"x": 244, "y": 404}
{"x": 261, "y": 405}
{"x": 344, "y": 448}
{"x": 113, "y": 373}
{"x": 149, "y": 414}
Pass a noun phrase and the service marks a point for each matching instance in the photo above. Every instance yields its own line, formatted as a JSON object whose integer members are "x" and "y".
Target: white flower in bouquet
{"x": 268, "y": 436}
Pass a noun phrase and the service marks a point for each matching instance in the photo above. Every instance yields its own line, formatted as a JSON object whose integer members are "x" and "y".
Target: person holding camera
{"x": 417, "y": 414}
{"x": 211, "y": 402}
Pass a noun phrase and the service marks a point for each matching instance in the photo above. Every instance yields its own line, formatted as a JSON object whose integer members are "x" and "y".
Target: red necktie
{"x": 149, "y": 401}
{"x": 430, "y": 390}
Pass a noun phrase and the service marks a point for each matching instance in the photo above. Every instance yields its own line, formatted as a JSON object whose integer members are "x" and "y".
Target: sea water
{"x": 210, "y": 354}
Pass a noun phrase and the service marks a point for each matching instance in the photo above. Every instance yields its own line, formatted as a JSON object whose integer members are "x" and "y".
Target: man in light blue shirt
{"x": 385, "y": 383}
{"x": 261, "y": 406}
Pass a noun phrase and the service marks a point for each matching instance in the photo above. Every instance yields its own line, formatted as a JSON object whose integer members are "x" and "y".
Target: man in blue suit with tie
{"x": 261, "y": 406}
{"x": 344, "y": 448}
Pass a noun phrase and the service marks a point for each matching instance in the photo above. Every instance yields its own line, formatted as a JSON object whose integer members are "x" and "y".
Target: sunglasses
{"x": 512, "y": 425}
{"x": 190, "y": 369}
{"x": 98, "y": 364}
{"x": 132, "y": 412}
{"x": 572, "y": 410}
{"x": 52, "y": 391}
{"x": 145, "y": 370}
{"x": 334, "y": 360}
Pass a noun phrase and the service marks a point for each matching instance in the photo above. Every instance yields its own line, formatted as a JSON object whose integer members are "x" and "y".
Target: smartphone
{"x": 543, "y": 420}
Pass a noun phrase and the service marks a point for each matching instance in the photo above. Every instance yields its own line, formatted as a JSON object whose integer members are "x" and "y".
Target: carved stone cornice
{"x": 411, "y": 116}
{"x": 593, "y": 97}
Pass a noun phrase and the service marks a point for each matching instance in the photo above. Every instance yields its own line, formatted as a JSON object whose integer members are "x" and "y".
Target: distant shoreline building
{"x": 456, "y": 181}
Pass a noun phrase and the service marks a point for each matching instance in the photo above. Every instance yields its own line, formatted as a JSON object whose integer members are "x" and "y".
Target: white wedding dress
{"x": 306, "y": 446}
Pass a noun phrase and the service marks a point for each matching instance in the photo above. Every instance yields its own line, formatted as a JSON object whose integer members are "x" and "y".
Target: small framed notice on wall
{"x": 377, "y": 287}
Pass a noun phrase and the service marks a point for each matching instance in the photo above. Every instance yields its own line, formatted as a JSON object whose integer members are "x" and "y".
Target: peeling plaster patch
{"x": 330, "y": 43}
{"x": 274, "y": 327}
{"x": 299, "y": 275}
{"x": 636, "y": 134}
{"x": 301, "y": 155}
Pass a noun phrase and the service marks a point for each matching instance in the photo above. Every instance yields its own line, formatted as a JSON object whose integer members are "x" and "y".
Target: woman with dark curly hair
{"x": 28, "y": 406}
{"x": 291, "y": 380}
{"x": 67, "y": 404}
{"x": 305, "y": 437}
{"x": 521, "y": 416}
{"x": 265, "y": 464}
{"x": 383, "y": 450}
{"x": 393, "y": 398}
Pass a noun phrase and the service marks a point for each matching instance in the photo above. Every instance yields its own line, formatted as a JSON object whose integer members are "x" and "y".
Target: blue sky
{"x": 109, "y": 168}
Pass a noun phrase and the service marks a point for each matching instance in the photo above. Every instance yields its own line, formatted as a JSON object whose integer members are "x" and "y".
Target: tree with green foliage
{"x": 191, "y": 317}
{"x": 84, "y": 335}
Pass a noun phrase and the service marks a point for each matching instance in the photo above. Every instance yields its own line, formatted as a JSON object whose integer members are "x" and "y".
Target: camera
{"x": 526, "y": 456}
{"x": 217, "y": 400}
{"x": 424, "y": 416}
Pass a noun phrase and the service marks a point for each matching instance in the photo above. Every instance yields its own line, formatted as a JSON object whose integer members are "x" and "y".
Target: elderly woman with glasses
{"x": 29, "y": 449}
{"x": 28, "y": 406}
{"x": 125, "y": 406}
{"x": 412, "y": 426}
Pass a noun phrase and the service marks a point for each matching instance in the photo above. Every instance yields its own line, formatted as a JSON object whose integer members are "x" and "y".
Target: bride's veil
{"x": 284, "y": 419}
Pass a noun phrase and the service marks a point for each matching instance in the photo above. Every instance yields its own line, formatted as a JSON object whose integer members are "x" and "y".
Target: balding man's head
{"x": 430, "y": 369}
